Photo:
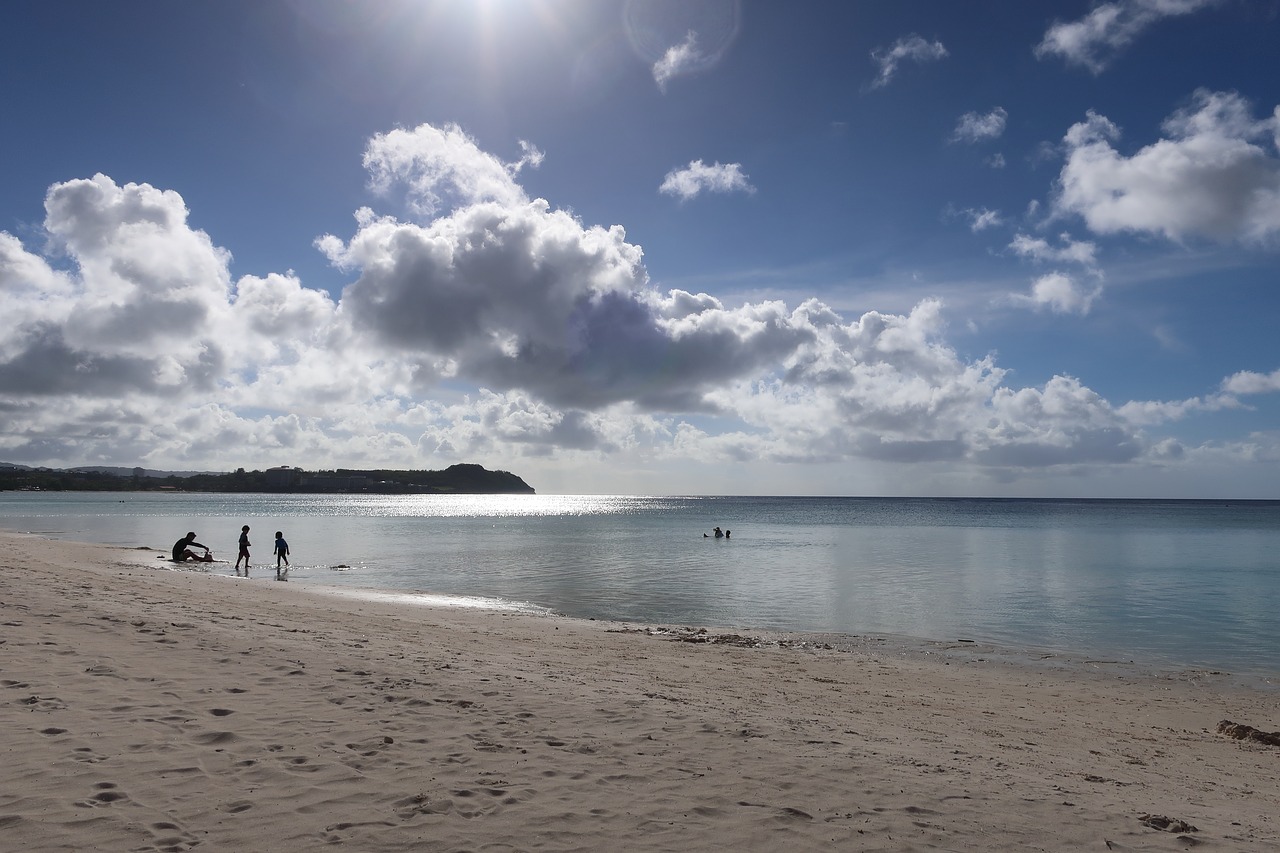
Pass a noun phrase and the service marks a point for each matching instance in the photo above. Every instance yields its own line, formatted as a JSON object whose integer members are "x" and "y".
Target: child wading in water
{"x": 244, "y": 551}
{"x": 282, "y": 554}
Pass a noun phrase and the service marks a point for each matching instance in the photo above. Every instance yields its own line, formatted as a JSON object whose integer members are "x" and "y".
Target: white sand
{"x": 145, "y": 709}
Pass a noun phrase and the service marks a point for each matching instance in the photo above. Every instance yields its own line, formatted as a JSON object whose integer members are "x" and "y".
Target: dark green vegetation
{"x": 456, "y": 479}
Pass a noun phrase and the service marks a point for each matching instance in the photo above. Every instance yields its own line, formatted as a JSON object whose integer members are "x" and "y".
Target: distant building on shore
{"x": 282, "y": 477}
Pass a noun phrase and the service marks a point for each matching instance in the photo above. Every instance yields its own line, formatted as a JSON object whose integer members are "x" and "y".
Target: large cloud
{"x": 511, "y": 294}
{"x": 487, "y": 325}
{"x": 1064, "y": 423}
{"x": 146, "y": 309}
{"x": 1215, "y": 176}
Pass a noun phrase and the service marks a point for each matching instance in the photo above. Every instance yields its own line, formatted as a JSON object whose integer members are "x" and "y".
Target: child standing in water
{"x": 244, "y": 551}
{"x": 282, "y": 554}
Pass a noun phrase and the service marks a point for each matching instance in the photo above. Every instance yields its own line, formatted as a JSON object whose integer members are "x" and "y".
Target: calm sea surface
{"x": 1161, "y": 583}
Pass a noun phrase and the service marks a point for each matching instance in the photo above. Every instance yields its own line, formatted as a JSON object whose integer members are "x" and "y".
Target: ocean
{"x": 1161, "y": 584}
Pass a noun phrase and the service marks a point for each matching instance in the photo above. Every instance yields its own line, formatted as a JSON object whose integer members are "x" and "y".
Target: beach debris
{"x": 1240, "y": 731}
{"x": 703, "y": 636}
{"x": 1167, "y": 824}
{"x": 718, "y": 639}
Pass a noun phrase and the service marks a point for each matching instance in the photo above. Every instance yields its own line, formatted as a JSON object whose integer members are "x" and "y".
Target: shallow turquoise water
{"x": 1167, "y": 583}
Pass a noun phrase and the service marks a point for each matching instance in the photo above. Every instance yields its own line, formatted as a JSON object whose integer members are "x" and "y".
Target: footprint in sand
{"x": 85, "y": 755}
{"x": 44, "y": 703}
{"x": 214, "y": 738}
{"x": 107, "y": 794}
{"x": 421, "y": 804}
{"x": 170, "y": 838}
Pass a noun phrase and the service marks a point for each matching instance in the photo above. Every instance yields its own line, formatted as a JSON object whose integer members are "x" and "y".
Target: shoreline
{"x": 1030, "y": 657}
{"x": 1126, "y": 594}
{"x": 164, "y": 710}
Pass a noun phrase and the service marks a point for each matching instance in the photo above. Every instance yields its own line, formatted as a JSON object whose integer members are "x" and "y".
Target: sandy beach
{"x": 146, "y": 709}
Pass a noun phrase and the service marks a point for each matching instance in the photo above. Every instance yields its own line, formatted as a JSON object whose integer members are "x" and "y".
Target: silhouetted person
{"x": 182, "y": 550}
{"x": 244, "y": 551}
{"x": 282, "y": 554}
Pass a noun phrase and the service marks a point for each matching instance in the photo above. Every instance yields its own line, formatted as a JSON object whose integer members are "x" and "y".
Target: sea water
{"x": 1160, "y": 583}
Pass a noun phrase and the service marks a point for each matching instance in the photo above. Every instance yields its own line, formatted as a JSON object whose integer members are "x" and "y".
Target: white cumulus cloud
{"x": 442, "y": 166}
{"x": 977, "y": 127}
{"x": 1249, "y": 382}
{"x": 697, "y": 178}
{"x": 1040, "y": 250}
{"x": 1060, "y": 293}
{"x": 1216, "y": 175}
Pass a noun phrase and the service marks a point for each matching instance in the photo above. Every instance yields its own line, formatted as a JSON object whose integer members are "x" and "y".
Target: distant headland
{"x": 461, "y": 479}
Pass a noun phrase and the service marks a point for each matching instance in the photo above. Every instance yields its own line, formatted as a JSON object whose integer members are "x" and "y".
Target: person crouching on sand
{"x": 182, "y": 550}
{"x": 244, "y": 551}
{"x": 282, "y": 554}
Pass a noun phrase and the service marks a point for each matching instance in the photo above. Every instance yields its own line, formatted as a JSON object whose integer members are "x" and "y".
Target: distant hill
{"x": 463, "y": 478}
{"x": 128, "y": 472}
{"x": 116, "y": 470}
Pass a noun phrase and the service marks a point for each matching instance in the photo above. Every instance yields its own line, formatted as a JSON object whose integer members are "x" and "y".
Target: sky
{"x": 837, "y": 247}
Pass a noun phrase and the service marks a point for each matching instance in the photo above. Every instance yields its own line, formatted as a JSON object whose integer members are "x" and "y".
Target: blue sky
{"x": 631, "y": 246}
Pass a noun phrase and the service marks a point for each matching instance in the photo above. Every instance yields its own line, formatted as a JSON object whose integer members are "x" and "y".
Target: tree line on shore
{"x": 463, "y": 478}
